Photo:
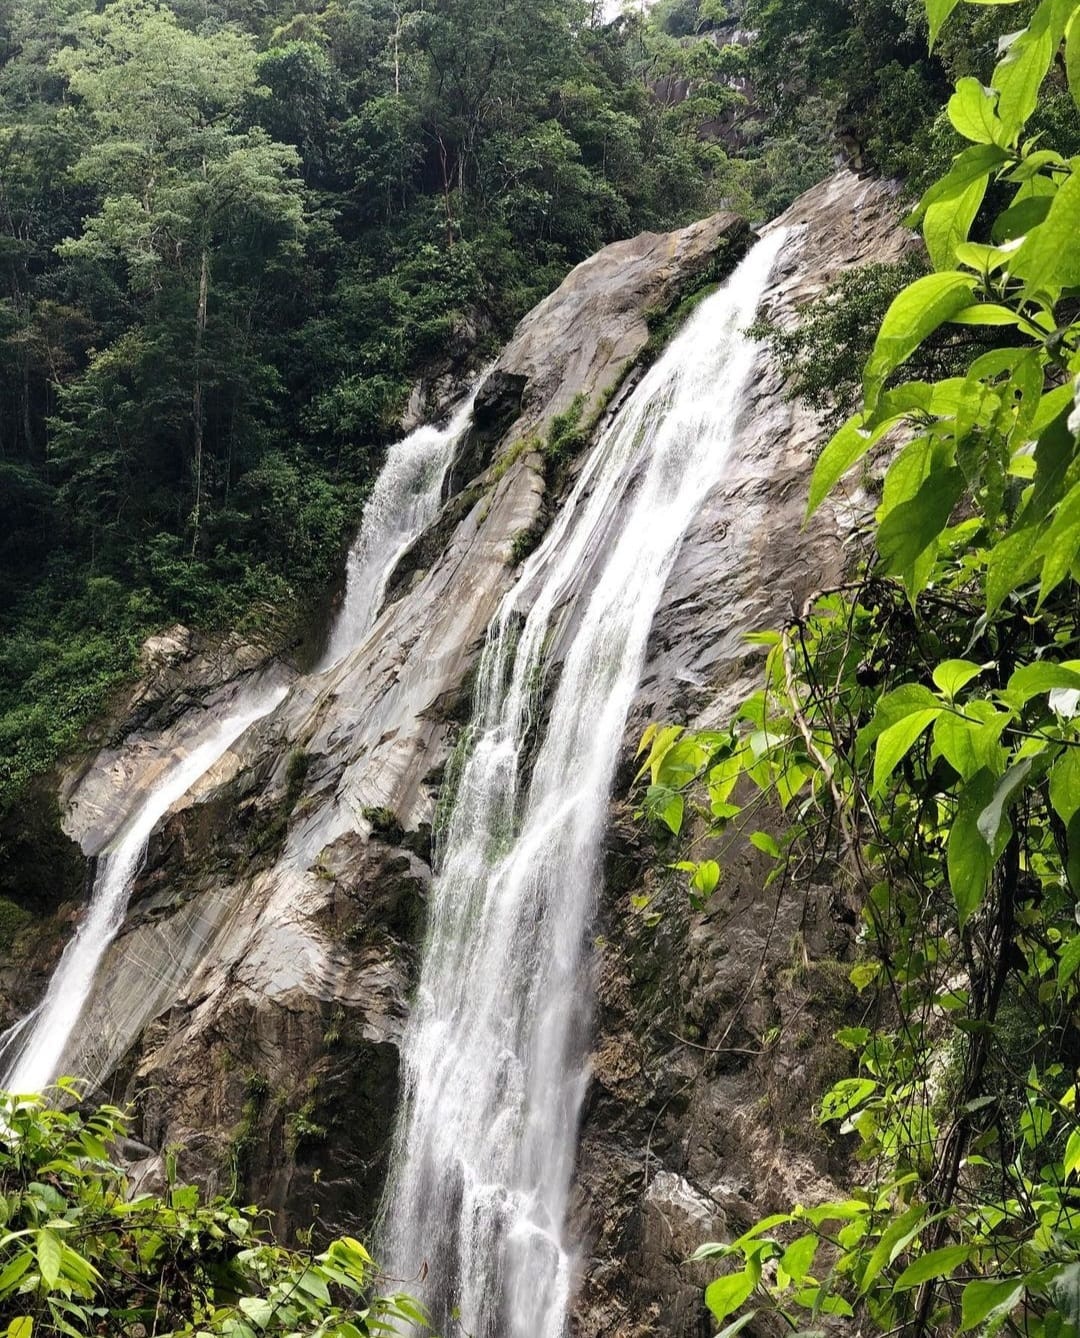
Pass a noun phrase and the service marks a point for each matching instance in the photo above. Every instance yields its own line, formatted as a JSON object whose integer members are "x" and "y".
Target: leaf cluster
{"x": 80, "y": 1253}
{"x": 920, "y": 728}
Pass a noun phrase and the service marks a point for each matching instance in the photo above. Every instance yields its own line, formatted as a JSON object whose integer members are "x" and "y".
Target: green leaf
{"x": 968, "y": 856}
{"x": 1032, "y": 680}
{"x": 863, "y": 974}
{"x": 672, "y": 813}
{"x": 736, "y": 1326}
{"x": 21, "y": 1327}
{"x": 765, "y": 843}
{"x": 1064, "y": 1290}
{"x": 798, "y": 1259}
{"x": 914, "y": 314}
{"x": 973, "y": 113}
{"x": 706, "y": 876}
{"x": 1069, "y": 961}
{"x": 952, "y": 675}
{"x": 894, "y": 1240}
{"x": 1049, "y": 258}
{"x": 843, "y": 1097}
{"x": 1072, "y": 58}
{"x": 978, "y": 160}
{"x": 258, "y": 1310}
{"x": 983, "y": 1300}
{"x": 1019, "y": 75}
{"x": 910, "y": 528}
{"x": 969, "y": 742}
{"x": 49, "y": 1254}
{"x": 1071, "y": 1160}
{"x": 845, "y": 448}
{"x": 13, "y": 1271}
{"x": 935, "y": 1264}
{"x": 897, "y": 741}
{"x": 992, "y": 816}
{"x": 937, "y": 11}
{"x": 1065, "y": 785}
{"x": 986, "y": 313}
{"x": 1011, "y": 563}
{"x": 948, "y": 222}
{"x": 726, "y": 1294}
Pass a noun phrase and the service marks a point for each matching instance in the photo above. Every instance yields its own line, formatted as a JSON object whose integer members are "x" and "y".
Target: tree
{"x": 181, "y": 176}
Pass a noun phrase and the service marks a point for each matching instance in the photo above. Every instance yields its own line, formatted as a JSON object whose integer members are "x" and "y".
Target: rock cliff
{"x": 253, "y": 1005}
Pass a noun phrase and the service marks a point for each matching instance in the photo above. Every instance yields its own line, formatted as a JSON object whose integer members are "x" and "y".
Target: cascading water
{"x": 39, "y": 1040}
{"x": 495, "y": 1049}
{"x": 403, "y": 503}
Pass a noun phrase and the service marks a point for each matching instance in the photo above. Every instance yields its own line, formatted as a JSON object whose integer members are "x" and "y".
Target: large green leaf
{"x": 798, "y": 1259}
{"x": 1065, "y": 785}
{"x": 1072, "y": 58}
{"x": 914, "y": 314}
{"x": 1049, "y": 258}
{"x": 1060, "y": 544}
{"x": 937, "y": 11}
{"x": 978, "y": 160}
{"x": 49, "y": 1255}
{"x": 908, "y": 530}
{"x": 983, "y": 1300}
{"x": 994, "y": 814}
{"x": 726, "y": 1294}
{"x": 935, "y": 1264}
{"x": 1032, "y": 680}
{"x": 970, "y": 742}
{"x": 948, "y": 222}
{"x": 897, "y": 741}
{"x": 844, "y": 449}
{"x": 1019, "y": 75}
{"x": 968, "y": 856}
{"x": 973, "y": 112}
{"x": 953, "y": 675}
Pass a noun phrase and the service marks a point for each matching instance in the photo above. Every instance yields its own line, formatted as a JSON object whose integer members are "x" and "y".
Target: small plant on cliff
{"x": 80, "y": 1254}
{"x": 920, "y": 725}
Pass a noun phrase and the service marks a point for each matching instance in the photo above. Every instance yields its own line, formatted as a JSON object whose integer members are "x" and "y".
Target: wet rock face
{"x": 713, "y": 1029}
{"x": 580, "y": 340}
{"x": 253, "y": 1004}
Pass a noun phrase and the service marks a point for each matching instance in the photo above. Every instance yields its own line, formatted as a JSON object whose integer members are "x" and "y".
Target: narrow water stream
{"x": 495, "y": 1052}
{"x": 403, "y": 502}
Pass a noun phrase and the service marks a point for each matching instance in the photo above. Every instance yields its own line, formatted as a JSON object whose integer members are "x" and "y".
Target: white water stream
{"x": 403, "y": 502}
{"x": 495, "y": 1052}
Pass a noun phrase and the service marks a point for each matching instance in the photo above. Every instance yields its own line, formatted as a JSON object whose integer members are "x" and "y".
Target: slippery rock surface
{"x": 253, "y": 1004}
{"x": 713, "y": 1029}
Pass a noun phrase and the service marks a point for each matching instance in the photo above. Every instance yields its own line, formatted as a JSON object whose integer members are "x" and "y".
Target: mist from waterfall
{"x": 495, "y": 1052}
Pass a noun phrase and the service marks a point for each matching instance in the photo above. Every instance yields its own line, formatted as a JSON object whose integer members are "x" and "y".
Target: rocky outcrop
{"x": 253, "y": 1004}
{"x": 714, "y": 1029}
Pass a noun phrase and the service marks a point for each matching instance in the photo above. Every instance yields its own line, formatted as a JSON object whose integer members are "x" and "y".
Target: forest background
{"x": 233, "y": 235}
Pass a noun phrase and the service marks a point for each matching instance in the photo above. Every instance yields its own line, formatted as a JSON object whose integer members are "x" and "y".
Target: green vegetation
{"x": 920, "y": 726}
{"x": 230, "y": 240}
{"x": 81, "y": 1255}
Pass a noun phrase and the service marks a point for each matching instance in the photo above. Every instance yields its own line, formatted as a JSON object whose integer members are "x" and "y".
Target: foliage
{"x": 81, "y": 1254}
{"x": 920, "y": 726}
{"x": 231, "y": 238}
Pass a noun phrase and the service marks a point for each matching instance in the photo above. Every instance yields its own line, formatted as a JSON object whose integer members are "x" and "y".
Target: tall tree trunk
{"x": 197, "y": 393}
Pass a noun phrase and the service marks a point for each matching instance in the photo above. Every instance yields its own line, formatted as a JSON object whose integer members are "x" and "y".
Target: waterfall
{"x": 494, "y": 1055}
{"x": 403, "y": 502}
